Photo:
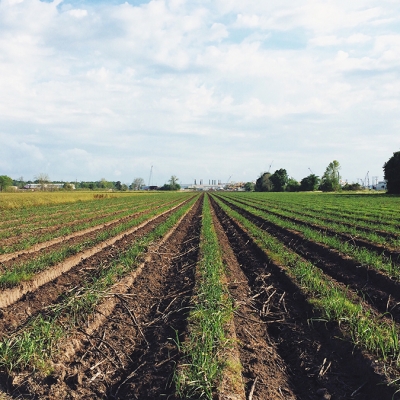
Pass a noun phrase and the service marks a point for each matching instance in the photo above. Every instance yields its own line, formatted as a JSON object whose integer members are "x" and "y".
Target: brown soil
{"x": 318, "y": 361}
{"x": 39, "y": 296}
{"x": 68, "y": 239}
{"x": 133, "y": 352}
{"x": 378, "y": 289}
{"x": 129, "y": 350}
{"x": 258, "y": 353}
{"x": 394, "y": 254}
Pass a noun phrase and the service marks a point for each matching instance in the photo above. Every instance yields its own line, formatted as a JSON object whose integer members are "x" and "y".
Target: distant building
{"x": 380, "y": 186}
{"x": 46, "y": 186}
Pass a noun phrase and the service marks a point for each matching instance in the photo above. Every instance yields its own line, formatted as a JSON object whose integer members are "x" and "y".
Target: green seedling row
{"x": 29, "y": 241}
{"x": 26, "y": 271}
{"x": 38, "y": 220}
{"x": 204, "y": 350}
{"x": 375, "y": 233}
{"x": 42, "y": 214}
{"x": 368, "y": 330}
{"x": 371, "y": 209}
{"x": 362, "y": 255}
{"x": 35, "y": 344}
{"x": 382, "y": 233}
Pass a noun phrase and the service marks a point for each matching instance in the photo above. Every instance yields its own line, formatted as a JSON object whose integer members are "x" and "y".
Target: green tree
{"x": 118, "y": 185}
{"x": 292, "y": 185}
{"x": 352, "y": 186}
{"x": 392, "y": 173}
{"x": 330, "y": 181}
{"x": 173, "y": 181}
{"x": 103, "y": 184}
{"x": 263, "y": 183}
{"x": 309, "y": 183}
{"x": 249, "y": 187}
{"x": 5, "y": 182}
{"x": 279, "y": 180}
{"x": 173, "y": 184}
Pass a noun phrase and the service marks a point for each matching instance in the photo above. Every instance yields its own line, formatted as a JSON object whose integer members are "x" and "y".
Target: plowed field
{"x": 114, "y": 310}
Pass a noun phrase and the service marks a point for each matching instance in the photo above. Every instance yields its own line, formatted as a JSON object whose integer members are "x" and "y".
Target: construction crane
{"x": 270, "y": 165}
{"x": 227, "y": 182}
{"x": 310, "y": 170}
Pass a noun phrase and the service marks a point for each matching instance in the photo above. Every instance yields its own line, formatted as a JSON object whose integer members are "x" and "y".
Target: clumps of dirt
{"x": 133, "y": 354}
{"x": 317, "y": 360}
{"x": 264, "y": 372}
{"x": 378, "y": 289}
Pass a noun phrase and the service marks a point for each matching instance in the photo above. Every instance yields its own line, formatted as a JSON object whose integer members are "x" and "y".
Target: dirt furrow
{"x": 319, "y": 362}
{"x": 384, "y": 234}
{"x": 131, "y": 353}
{"x": 85, "y": 233}
{"x": 394, "y": 254}
{"x": 263, "y": 368}
{"x": 378, "y": 289}
{"x": 29, "y": 289}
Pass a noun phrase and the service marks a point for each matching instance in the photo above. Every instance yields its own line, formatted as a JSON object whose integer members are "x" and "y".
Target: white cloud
{"x": 78, "y": 13}
{"x": 106, "y": 86}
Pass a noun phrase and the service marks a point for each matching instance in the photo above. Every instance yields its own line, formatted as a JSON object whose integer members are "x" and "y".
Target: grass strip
{"x": 204, "y": 351}
{"x": 34, "y": 345}
{"x": 366, "y": 329}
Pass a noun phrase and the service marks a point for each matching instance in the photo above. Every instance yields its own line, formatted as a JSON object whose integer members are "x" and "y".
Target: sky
{"x": 212, "y": 89}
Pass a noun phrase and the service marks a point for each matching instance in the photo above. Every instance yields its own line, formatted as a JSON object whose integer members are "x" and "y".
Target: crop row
{"x": 33, "y": 345}
{"x": 365, "y": 256}
{"x": 382, "y": 234}
{"x": 333, "y": 301}
{"x": 224, "y": 322}
{"x": 31, "y": 238}
{"x": 363, "y": 208}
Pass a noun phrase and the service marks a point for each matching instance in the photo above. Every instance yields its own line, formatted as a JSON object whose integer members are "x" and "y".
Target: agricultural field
{"x": 201, "y": 296}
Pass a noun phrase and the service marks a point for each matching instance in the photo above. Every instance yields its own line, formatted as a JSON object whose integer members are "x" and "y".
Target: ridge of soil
{"x": 60, "y": 241}
{"x": 394, "y": 254}
{"x": 42, "y": 230}
{"x": 320, "y": 363}
{"x": 132, "y": 354}
{"x": 329, "y": 219}
{"x": 378, "y": 289}
{"x": 258, "y": 354}
{"x": 57, "y": 276}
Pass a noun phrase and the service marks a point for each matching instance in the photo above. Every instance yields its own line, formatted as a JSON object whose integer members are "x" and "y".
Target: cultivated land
{"x": 187, "y": 295}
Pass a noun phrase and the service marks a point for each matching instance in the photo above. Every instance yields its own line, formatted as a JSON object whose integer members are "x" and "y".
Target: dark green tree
{"x": 292, "y": 185}
{"x": 249, "y": 187}
{"x": 309, "y": 183}
{"x": 352, "y": 186}
{"x": 392, "y": 173}
{"x": 263, "y": 183}
{"x": 330, "y": 181}
{"x": 173, "y": 184}
{"x": 279, "y": 180}
{"x": 5, "y": 182}
{"x": 118, "y": 185}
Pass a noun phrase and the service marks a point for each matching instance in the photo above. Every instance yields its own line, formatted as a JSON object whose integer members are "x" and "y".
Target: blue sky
{"x": 198, "y": 89}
